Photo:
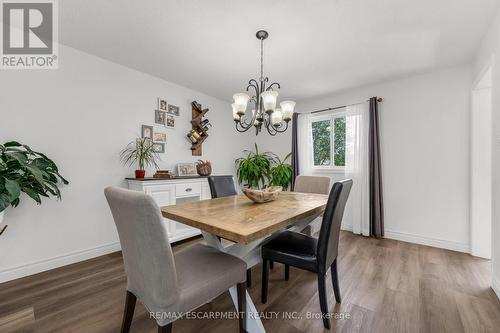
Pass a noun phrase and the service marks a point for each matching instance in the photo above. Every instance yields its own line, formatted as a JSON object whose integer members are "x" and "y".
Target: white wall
{"x": 82, "y": 115}
{"x": 488, "y": 54}
{"x": 480, "y": 163}
{"x": 424, "y": 123}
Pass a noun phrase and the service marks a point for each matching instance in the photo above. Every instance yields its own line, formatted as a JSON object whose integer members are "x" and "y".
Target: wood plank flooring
{"x": 386, "y": 286}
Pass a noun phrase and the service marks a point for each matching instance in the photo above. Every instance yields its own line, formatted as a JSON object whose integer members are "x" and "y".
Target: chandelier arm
{"x": 282, "y": 130}
{"x": 241, "y": 128}
{"x": 271, "y": 131}
{"x": 272, "y": 84}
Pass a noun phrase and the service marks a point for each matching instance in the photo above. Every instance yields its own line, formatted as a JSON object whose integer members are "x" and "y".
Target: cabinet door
{"x": 205, "y": 191}
{"x": 164, "y": 195}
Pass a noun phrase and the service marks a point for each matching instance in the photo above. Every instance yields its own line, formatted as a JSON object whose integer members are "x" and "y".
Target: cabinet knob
{"x": 189, "y": 189}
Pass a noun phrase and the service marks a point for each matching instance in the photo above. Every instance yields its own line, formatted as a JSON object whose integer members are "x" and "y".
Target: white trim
{"x": 495, "y": 285}
{"x": 429, "y": 241}
{"x": 35, "y": 267}
{"x": 346, "y": 227}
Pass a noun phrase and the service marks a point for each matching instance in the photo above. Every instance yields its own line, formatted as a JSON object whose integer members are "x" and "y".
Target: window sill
{"x": 328, "y": 170}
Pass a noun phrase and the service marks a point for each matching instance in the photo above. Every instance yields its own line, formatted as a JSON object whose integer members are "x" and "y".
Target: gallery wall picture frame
{"x": 160, "y": 137}
{"x": 147, "y": 131}
{"x": 173, "y": 110}
{"x": 187, "y": 169}
{"x": 158, "y": 147}
{"x": 160, "y": 117}
{"x": 170, "y": 122}
{"x": 162, "y": 104}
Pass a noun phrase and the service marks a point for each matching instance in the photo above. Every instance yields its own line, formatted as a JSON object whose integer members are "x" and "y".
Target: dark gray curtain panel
{"x": 295, "y": 150}
{"x": 376, "y": 197}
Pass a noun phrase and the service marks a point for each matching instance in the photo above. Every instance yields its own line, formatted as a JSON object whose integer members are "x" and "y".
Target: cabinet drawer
{"x": 187, "y": 189}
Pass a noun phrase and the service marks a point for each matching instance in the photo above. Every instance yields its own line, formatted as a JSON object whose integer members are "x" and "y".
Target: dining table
{"x": 247, "y": 225}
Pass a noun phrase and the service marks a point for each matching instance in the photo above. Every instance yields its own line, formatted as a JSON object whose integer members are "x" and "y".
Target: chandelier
{"x": 264, "y": 95}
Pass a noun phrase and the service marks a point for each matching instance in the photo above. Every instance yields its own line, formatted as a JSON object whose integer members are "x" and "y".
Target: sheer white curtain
{"x": 304, "y": 137}
{"x": 357, "y": 168}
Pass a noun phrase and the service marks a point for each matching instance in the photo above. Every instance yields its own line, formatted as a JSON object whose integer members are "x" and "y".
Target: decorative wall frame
{"x": 173, "y": 110}
{"x": 162, "y": 104}
{"x": 147, "y": 131}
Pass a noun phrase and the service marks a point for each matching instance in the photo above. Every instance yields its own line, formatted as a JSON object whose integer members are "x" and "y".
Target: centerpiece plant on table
{"x": 260, "y": 170}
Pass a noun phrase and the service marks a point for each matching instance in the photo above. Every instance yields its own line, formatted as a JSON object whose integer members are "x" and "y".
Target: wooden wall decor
{"x": 199, "y": 128}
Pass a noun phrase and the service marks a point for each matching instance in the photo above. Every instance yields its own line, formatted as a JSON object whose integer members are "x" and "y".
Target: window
{"x": 328, "y": 137}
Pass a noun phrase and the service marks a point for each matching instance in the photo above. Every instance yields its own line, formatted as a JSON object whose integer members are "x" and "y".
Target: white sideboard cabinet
{"x": 170, "y": 192}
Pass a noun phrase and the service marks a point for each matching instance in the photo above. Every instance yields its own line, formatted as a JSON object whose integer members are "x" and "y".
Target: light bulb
{"x": 287, "y": 107}
{"x": 241, "y": 101}
{"x": 236, "y": 116}
{"x": 276, "y": 117}
{"x": 269, "y": 100}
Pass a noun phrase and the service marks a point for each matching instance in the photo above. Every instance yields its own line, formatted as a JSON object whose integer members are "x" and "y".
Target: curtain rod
{"x": 379, "y": 99}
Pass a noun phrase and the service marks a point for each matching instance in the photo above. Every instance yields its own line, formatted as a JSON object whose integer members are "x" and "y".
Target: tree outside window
{"x": 329, "y": 141}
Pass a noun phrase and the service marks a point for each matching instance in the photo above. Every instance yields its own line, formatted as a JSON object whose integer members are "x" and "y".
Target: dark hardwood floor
{"x": 386, "y": 286}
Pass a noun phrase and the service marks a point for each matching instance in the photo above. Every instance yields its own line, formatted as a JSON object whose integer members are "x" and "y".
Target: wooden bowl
{"x": 265, "y": 195}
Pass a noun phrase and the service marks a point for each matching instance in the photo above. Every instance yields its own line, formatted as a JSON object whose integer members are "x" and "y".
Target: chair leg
{"x": 242, "y": 305}
{"x": 335, "y": 281}
{"x": 265, "y": 280}
{"x": 165, "y": 329}
{"x": 323, "y": 302}
{"x": 271, "y": 264}
{"x": 287, "y": 272}
{"x": 128, "y": 313}
{"x": 249, "y": 277}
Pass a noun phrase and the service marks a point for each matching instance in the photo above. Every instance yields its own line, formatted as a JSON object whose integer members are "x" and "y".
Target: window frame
{"x": 341, "y": 113}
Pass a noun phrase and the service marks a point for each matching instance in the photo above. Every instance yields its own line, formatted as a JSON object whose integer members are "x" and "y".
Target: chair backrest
{"x": 222, "y": 186}
{"x": 147, "y": 254}
{"x": 328, "y": 241}
{"x": 312, "y": 184}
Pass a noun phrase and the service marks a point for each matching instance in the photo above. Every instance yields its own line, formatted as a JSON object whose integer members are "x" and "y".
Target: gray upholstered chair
{"x": 165, "y": 283}
{"x": 312, "y": 184}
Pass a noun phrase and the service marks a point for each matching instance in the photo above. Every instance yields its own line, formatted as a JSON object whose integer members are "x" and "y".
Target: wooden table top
{"x": 238, "y": 219}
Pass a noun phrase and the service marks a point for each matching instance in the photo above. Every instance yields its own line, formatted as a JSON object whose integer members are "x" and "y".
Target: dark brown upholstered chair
{"x": 308, "y": 253}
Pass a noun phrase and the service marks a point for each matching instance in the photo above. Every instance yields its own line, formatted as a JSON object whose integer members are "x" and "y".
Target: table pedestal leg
{"x": 254, "y": 324}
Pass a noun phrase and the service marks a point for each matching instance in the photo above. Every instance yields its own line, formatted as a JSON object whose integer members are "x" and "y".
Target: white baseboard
{"x": 429, "y": 241}
{"x": 495, "y": 285}
{"x": 346, "y": 227}
{"x": 16, "y": 272}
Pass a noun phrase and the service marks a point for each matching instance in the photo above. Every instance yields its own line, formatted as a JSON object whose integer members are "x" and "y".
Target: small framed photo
{"x": 159, "y": 147}
{"x": 162, "y": 104}
{"x": 173, "y": 110}
{"x": 186, "y": 169}
{"x": 170, "y": 122}
{"x": 160, "y": 137}
{"x": 147, "y": 132}
{"x": 160, "y": 117}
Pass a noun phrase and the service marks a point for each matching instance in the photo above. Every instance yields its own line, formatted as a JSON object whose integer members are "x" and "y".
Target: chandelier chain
{"x": 261, "y": 59}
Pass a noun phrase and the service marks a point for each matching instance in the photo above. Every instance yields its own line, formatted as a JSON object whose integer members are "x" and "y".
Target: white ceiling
{"x": 315, "y": 47}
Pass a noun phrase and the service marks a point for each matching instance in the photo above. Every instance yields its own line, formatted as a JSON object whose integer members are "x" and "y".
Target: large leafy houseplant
{"x": 281, "y": 172}
{"x": 253, "y": 170}
{"x": 140, "y": 151}
{"x": 23, "y": 170}
{"x": 259, "y": 170}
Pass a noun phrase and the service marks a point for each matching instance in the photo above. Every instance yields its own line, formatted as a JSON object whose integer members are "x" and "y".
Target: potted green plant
{"x": 140, "y": 151}
{"x": 281, "y": 172}
{"x": 253, "y": 170}
{"x": 23, "y": 170}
